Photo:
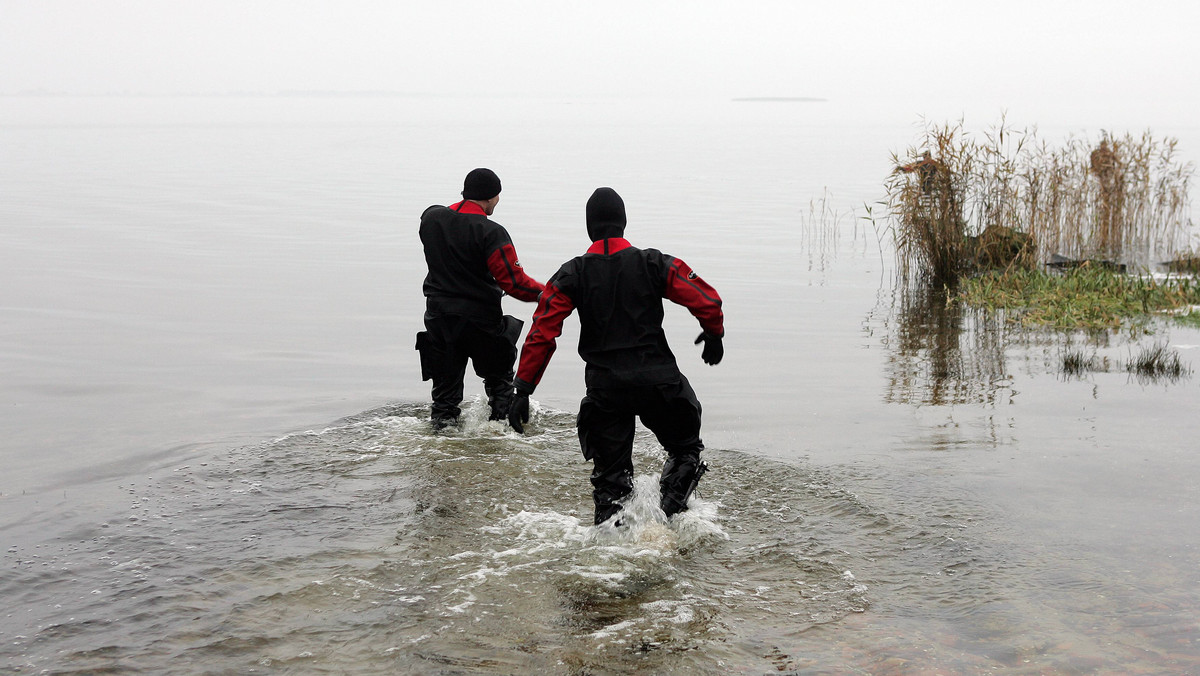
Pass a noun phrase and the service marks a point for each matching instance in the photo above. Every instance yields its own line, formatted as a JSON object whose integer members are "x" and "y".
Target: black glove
{"x": 518, "y": 411}
{"x": 713, "y": 350}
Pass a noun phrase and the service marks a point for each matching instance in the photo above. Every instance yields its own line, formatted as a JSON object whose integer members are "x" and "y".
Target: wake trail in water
{"x": 376, "y": 544}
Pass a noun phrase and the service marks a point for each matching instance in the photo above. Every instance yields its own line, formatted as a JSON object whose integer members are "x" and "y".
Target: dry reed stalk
{"x": 931, "y": 229}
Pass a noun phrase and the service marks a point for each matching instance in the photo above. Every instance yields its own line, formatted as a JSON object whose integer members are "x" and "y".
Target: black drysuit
{"x": 618, "y": 290}
{"x": 472, "y": 263}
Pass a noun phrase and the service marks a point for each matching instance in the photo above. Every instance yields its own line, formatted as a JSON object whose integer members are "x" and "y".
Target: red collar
{"x": 468, "y": 207}
{"x": 609, "y": 246}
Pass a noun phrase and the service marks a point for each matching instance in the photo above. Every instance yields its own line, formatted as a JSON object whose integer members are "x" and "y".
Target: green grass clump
{"x": 1157, "y": 362}
{"x": 1087, "y": 298}
{"x": 1076, "y": 363}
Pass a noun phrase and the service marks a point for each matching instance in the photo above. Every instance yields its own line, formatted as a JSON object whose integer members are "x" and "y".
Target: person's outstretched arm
{"x": 686, "y": 288}
{"x": 506, "y": 268}
{"x": 553, "y": 308}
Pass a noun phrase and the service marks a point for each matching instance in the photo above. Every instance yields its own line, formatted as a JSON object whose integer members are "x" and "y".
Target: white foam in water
{"x": 472, "y": 422}
{"x": 612, "y": 629}
{"x": 698, "y": 523}
{"x": 644, "y": 526}
{"x": 399, "y": 423}
{"x": 653, "y": 616}
{"x": 675, "y": 612}
{"x": 395, "y": 423}
{"x": 591, "y": 561}
{"x": 484, "y": 573}
{"x": 541, "y": 526}
{"x": 462, "y": 607}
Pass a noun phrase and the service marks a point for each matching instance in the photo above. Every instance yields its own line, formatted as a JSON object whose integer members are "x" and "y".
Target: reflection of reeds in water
{"x": 944, "y": 353}
{"x": 1125, "y": 198}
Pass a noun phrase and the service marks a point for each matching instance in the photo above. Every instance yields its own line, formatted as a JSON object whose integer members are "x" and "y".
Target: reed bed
{"x": 1121, "y": 198}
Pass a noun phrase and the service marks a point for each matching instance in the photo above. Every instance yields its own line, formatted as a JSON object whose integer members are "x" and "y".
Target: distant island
{"x": 235, "y": 94}
{"x": 783, "y": 99}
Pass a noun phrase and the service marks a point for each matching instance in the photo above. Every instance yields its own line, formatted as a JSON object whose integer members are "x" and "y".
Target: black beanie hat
{"x": 605, "y": 214}
{"x": 481, "y": 184}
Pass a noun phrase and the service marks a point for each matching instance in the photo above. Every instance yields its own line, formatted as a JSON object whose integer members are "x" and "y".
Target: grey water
{"x": 216, "y": 457}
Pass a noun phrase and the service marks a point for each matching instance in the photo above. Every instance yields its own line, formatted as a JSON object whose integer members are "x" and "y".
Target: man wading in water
{"x": 618, "y": 290}
{"x": 472, "y": 263}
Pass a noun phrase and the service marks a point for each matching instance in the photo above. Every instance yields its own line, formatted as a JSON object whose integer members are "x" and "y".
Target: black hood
{"x": 605, "y": 214}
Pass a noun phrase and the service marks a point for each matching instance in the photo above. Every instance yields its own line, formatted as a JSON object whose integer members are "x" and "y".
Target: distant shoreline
{"x": 319, "y": 93}
{"x": 782, "y": 99}
{"x": 287, "y": 93}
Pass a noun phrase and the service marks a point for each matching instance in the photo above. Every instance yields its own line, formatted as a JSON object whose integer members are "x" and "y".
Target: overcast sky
{"x": 1093, "y": 51}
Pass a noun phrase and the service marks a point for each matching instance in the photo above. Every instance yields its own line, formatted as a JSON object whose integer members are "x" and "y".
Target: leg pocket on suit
{"x": 433, "y": 356}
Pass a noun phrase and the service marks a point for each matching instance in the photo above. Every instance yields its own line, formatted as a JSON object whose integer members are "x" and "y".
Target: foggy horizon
{"x": 1093, "y": 56}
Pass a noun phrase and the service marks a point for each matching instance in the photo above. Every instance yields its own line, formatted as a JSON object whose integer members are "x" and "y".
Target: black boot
{"x": 608, "y": 491}
{"x": 605, "y": 512}
{"x": 680, "y": 476}
{"x": 499, "y": 397}
{"x": 442, "y": 415}
{"x": 441, "y": 422}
